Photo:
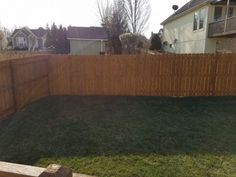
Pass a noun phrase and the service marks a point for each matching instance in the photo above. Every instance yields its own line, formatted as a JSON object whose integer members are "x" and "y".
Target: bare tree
{"x": 114, "y": 19}
{"x": 1, "y": 39}
{"x": 104, "y": 10}
{"x": 138, "y": 13}
{"x": 4, "y": 33}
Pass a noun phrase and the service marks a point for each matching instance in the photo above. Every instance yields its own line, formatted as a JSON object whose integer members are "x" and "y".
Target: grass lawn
{"x": 126, "y": 136}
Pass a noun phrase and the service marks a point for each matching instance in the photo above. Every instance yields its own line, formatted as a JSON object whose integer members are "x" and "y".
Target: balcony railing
{"x": 218, "y": 29}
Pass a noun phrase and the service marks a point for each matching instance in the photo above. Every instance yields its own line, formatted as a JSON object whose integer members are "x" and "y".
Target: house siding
{"x": 189, "y": 41}
{"x": 86, "y": 47}
{"x": 214, "y": 45}
{"x": 179, "y": 33}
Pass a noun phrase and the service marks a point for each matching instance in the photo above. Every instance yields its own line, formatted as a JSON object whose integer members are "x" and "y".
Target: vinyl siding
{"x": 86, "y": 47}
{"x": 179, "y": 33}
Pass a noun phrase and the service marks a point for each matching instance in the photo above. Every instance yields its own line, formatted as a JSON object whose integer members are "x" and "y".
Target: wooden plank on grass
{"x": 16, "y": 170}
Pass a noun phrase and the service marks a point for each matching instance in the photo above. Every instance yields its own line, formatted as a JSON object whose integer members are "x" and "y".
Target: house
{"x": 201, "y": 26}
{"x": 29, "y": 39}
{"x": 87, "y": 40}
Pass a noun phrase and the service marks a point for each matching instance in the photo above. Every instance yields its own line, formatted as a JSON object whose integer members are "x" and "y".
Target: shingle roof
{"x": 87, "y": 33}
{"x": 40, "y": 32}
{"x": 15, "y": 31}
{"x": 23, "y": 30}
{"x": 190, "y": 5}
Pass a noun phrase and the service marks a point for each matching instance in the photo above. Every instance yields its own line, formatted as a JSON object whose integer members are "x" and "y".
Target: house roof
{"x": 88, "y": 33}
{"x": 40, "y": 32}
{"x": 188, "y": 6}
{"x": 191, "y": 5}
{"x": 23, "y": 30}
{"x": 15, "y": 31}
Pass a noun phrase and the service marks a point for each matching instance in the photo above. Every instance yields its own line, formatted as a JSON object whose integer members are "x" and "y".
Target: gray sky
{"x": 36, "y": 13}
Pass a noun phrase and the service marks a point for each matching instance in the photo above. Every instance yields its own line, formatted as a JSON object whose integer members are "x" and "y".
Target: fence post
{"x": 70, "y": 75}
{"x": 56, "y": 171}
{"x": 213, "y": 74}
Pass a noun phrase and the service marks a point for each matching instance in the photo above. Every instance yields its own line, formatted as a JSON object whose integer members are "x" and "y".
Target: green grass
{"x": 126, "y": 136}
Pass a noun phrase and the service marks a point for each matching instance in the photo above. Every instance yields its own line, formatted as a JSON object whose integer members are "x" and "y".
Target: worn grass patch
{"x": 126, "y": 136}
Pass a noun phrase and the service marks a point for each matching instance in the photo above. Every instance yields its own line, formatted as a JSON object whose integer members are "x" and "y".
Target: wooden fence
{"x": 6, "y": 89}
{"x": 22, "y": 82}
{"x": 165, "y": 75}
{"x": 26, "y": 80}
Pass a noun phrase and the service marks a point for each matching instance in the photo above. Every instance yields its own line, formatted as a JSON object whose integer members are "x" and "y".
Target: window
{"x": 218, "y": 13}
{"x": 21, "y": 42}
{"x": 201, "y": 18}
{"x": 195, "y": 22}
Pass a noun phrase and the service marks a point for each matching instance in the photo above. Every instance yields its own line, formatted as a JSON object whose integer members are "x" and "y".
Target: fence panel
{"x": 163, "y": 75}
{"x": 6, "y": 89}
{"x": 59, "y": 78}
{"x": 225, "y": 81}
{"x": 31, "y": 79}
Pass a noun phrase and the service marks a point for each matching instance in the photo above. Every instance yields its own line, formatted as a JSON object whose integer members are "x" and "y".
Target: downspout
{"x": 226, "y": 16}
{"x": 101, "y": 47}
{"x": 207, "y": 28}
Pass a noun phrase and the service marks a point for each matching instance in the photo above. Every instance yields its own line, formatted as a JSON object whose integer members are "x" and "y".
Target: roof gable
{"x": 188, "y": 6}
{"x": 40, "y": 32}
{"x": 25, "y": 31}
{"x": 87, "y": 33}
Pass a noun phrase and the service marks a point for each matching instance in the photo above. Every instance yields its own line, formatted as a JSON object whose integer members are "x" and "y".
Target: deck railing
{"x": 222, "y": 27}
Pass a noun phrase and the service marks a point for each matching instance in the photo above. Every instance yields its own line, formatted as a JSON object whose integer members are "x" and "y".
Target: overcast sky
{"x": 36, "y": 13}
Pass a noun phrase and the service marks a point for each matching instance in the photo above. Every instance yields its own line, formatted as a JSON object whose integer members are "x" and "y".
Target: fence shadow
{"x": 102, "y": 125}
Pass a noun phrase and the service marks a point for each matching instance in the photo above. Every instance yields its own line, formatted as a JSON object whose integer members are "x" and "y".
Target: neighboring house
{"x": 201, "y": 26}
{"x": 87, "y": 40}
{"x": 29, "y": 39}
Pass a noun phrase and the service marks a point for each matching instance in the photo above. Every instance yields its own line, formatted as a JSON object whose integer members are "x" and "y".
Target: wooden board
{"x": 17, "y": 170}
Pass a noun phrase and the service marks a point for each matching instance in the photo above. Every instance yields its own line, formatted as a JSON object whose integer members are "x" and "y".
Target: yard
{"x": 126, "y": 136}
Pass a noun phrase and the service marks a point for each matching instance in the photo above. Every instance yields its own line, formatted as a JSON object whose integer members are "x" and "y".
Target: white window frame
{"x": 198, "y": 16}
